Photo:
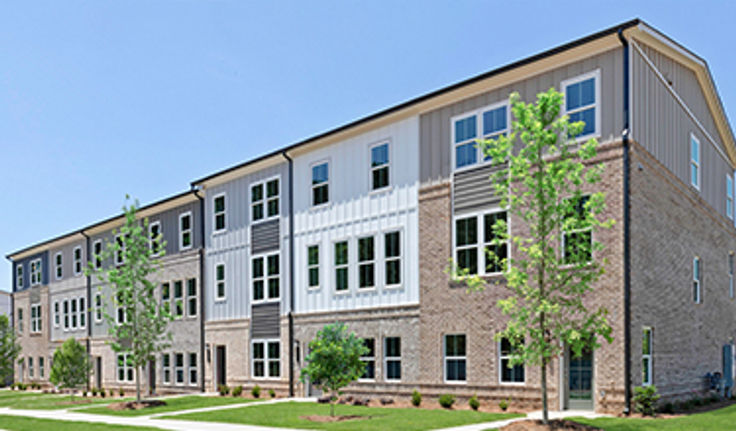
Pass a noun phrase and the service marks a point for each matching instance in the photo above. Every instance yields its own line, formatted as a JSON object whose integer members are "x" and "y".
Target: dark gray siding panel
{"x": 265, "y": 321}
{"x": 67, "y": 253}
{"x": 170, "y": 226}
{"x": 264, "y": 237}
{"x": 26, "y": 264}
{"x": 473, "y": 189}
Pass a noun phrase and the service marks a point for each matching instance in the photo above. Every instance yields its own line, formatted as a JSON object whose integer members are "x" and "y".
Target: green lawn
{"x": 39, "y": 401}
{"x": 172, "y": 404}
{"x": 717, "y": 420}
{"x": 17, "y": 423}
{"x": 287, "y": 415}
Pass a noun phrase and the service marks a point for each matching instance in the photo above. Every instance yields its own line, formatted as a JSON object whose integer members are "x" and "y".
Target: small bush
{"x": 223, "y": 390}
{"x": 94, "y": 392}
{"x": 668, "y": 408}
{"x": 256, "y": 391}
{"x": 238, "y": 391}
{"x": 697, "y": 402}
{"x": 84, "y": 394}
{"x": 416, "y": 398}
{"x": 473, "y": 402}
{"x": 111, "y": 393}
{"x": 503, "y": 405}
{"x": 645, "y": 397}
{"x": 102, "y": 392}
{"x": 447, "y": 400}
{"x": 272, "y": 393}
{"x": 121, "y": 393}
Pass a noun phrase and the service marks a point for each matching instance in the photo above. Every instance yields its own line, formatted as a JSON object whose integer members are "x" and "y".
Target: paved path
{"x": 532, "y": 415}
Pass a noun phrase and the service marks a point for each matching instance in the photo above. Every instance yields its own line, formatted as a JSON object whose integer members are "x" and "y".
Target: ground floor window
{"x": 125, "y": 370}
{"x": 392, "y": 353}
{"x": 192, "y": 368}
{"x": 30, "y": 367}
{"x": 179, "y": 368}
{"x": 646, "y": 357}
{"x": 266, "y": 359}
{"x": 513, "y": 374}
{"x": 166, "y": 367}
{"x": 455, "y": 358}
{"x": 41, "y": 367}
{"x": 369, "y": 359}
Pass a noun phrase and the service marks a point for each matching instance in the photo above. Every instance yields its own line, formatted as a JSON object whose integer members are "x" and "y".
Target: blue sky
{"x": 100, "y": 98}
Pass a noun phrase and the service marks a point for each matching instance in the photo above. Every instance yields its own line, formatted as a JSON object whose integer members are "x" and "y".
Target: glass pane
{"x": 192, "y": 287}
{"x": 220, "y": 272}
{"x": 185, "y": 223}
{"x": 273, "y": 350}
{"x": 494, "y": 120}
{"x": 393, "y": 272}
{"x": 466, "y": 231}
{"x": 258, "y": 369}
{"x": 313, "y": 255}
{"x": 645, "y": 370}
{"x": 380, "y": 178}
{"x": 258, "y": 351}
{"x": 370, "y": 370}
{"x": 490, "y": 221}
{"x": 341, "y": 275}
{"x": 465, "y": 129}
{"x": 468, "y": 259}
{"x": 379, "y": 155}
{"x": 257, "y": 267}
{"x": 393, "y": 370}
{"x": 258, "y": 290}
{"x": 274, "y": 369}
{"x": 366, "y": 275}
{"x": 370, "y": 344}
{"x": 695, "y": 150}
{"x": 645, "y": 342}
{"x": 178, "y": 289}
{"x": 273, "y": 288}
{"x": 272, "y": 188}
{"x": 220, "y": 222}
{"x": 219, "y": 204}
{"x": 466, "y": 154}
{"x": 273, "y": 207}
{"x": 320, "y": 195}
{"x": 588, "y": 117}
{"x": 257, "y": 212}
{"x": 319, "y": 173}
{"x": 313, "y": 277}
{"x": 393, "y": 346}
{"x": 456, "y": 370}
{"x": 341, "y": 253}
{"x": 392, "y": 246}
{"x": 273, "y": 265}
{"x": 365, "y": 249}
{"x": 587, "y": 92}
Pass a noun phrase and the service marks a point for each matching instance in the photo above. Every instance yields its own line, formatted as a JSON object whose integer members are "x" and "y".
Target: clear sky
{"x": 102, "y": 98}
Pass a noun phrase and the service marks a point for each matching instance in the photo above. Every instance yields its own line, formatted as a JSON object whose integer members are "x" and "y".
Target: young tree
{"x": 70, "y": 366}
{"x": 334, "y": 360}
{"x": 545, "y": 183}
{"x": 9, "y": 350}
{"x": 138, "y": 327}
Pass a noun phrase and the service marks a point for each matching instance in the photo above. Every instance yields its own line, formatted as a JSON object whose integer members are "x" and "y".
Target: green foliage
{"x": 272, "y": 393}
{"x": 334, "y": 361}
{"x": 102, "y": 392}
{"x": 416, "y": 398}
{"x": 668, "y": 408}
{"x": 237, "y": 391}
{"x": 224, "y": 390}
{"x": 474, "y": 403}
{"x": 121, "y": 392}
{"x": 645, "y": 397}
{"x": 9, "y": 350}
{"x": 256, "y": 391}
{"x": 547, "y": 182}
{"x": 94, "y": 392}
{"x": 139, "y": 324}
{"x": 447, "y": 400}
{"x": 70, "y": 366}
{"x": 503, "y": 404}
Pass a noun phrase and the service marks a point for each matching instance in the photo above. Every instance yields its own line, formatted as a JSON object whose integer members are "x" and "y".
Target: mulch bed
{"x": 323, "y": 419}
{"x": 133, "y": 405}
{"x": 554, "y": 425}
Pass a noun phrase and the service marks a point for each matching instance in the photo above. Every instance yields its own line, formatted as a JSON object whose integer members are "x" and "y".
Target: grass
{"x": 287, "y": 415}
{"x": 39, "y": 401}
{"x": 18, "y": 423}
{"x": 716, "y": 420}
{"x": 172, "y": 404}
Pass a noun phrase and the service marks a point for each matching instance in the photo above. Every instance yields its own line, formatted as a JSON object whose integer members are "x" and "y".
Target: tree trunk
{"x": 333, "y": 400}
{"x": 138, "y": 384}
{"x": 545, "y": 408}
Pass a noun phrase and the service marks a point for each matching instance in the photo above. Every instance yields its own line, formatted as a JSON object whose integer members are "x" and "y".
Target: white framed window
{"x": 19, "y": 275}
{"x": 488, "y": 122}
{"x": 582, "y": 102}
{"x": 192, "y": 369}
{"x": 392, "y": 258}
{"x": 185, "y": 231}
{"x": 57, "y": 314}
{"x": 646, "y": 356}
{"x": 119, "y": 250}
{"x": 341, "y": 255}
{"x": 30, "y": 367}
{"x": 98, "y": 307}
{"x": 65, "y": 308}
{"x": 392, "y": 358}
{"x": 125, "y": 371}
{"x": 730, "y": 275}
{"x": 266, "y": 359}
{"x": 166, "y": 368}
{"x": 380, "y": 165}
{"x": 73, "y": 313}
{"x": 178, "y": 304}
{"x": 265, "y": 274}
{"x": 166, "y": 296}
{"x": 729, "y": 196}
{"x": 264, "y": 200}
{"x": 313, "y": 266}
{"x": 455, "y": 358}
{"x": 192, "y": 297}
{"x": 36, "y": 318}
{"x": 320, "y": 183}
{"x": 369, "y": 359}
{"x": 97, "y": 249}
{"x": 59, "y": 265}
{"x": 121, "y": 316}
{"x": 697, "y": 283}
{"x": 477, "y": 247}
{"x": 220, "y": 282}
{"x": 366, "y": 263}
{"x": 77, "y": 260}
{"x": 515, "y": 374}
{"x": 219, "y": 213}
{"x": 695, "y": 173}
{"x": 20, "y": 320}
{"x": 179, "y": 368}
{"x": 155, "y": 238}
{"x": 82, "y": 312}
{"x": 36, "y": 272}
{"x": 577, "y": 242}
{"x": 41, "y": 367}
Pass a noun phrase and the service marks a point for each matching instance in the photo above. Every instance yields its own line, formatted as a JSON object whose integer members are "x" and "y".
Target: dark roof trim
{"x": 502, "y": 69}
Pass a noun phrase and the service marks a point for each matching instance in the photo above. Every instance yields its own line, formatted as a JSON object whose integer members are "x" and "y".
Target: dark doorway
{"x": 221, "y": 364}
{"x": 98, "y": 371}
{"x": 579, "y": 381}
{"x": 152, "y": 377}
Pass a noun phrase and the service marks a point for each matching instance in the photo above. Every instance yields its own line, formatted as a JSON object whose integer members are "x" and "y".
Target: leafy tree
{"x": 71, "y": 366}
{"x": 334, "y": 360}
{"x": 9, "y": 349}
{"x": 138, "y": 327}
{"x": 544, "y": 182}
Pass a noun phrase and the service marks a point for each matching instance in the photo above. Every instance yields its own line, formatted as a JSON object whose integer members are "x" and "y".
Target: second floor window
{"x": 178, "y": 299}
{"x": 98, "y": 307}
{"x": 341, "y": 266}
{"x": 57, "y": 314}
{"x": 20, "y": 320}
{"x": 577, "y": 238}
{"x": 486, "y": 123}
{"x": 77, "y": 260}
{"x": 264, "y": 200}
{"x": 479, "y": 249}
{"x": 266, "y": 280}
{"x": 313, "y": 266}
{"x": 82, "y": 312}
{"x": 697, "y": 283}
{"x": 59, "y": 265}
{"x": 695, "y": 162}
{"x": 320, "y": 184}
{"x": 36, "y": 318}
{"x": 392, "y": 256}
{"x": 192, "y": 297}
{"x": 35, "y": 272}
{"x": 219, "y": 213}
{"x": 98, "y": 254}
{"x": 366, "y": 265}
{"x": 155, "y": 237}
{"x": 119, "y": 249}
{"x": 185, "y": 231}
{"x": 581, "y": 102}
{"x": 220, "y": 281}
{"x": 380, "y": 166}
{"x": 19, "y": 276}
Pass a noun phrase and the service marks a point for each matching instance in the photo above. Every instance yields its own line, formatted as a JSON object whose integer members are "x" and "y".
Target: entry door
{"x": 98, "y": 371}
{"x": 221, "y": 363}
{"x": 152, "y": 376}
{"x": 579, "y": 381}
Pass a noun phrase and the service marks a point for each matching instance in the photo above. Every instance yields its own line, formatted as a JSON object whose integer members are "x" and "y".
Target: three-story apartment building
{"x": 358, "y": 225}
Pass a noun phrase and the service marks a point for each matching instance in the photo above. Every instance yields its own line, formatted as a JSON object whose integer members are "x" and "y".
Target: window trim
{"x": 189, "y": 298}
{"x": 57, "y": 314}
{"x": 501, "y": 357}
{"x": 155, "y": 253}
{"x": 65, "y": 315}
{"x": 366, "y": 359}
{"x": 697, "y": 291}
{"x": 183, "y": 368}
{"x": 311, "y": 266}
{"x": 371, "y": 168}
{"x": 37, "y": 319}
{"x": 181, "y": 231}
{"x": 36, "y": 265}
{"x": 58, "y": 265}
{"x": 312, "y": 165}
{"x": 96, "y": 256}
{"x": 650, "y": 371}
{"x": 76, "y": 261}
{"x": 98, "y": 307}
{"x": 266, "y": 277}
{"x": 164, "y": 368}
{"x": 387, "y": 358}
{"x": 19, "y": 282}
{"x": 697, "y": 164}
{"x": 264, "y": 200}
{"x": 191, "y": 368}
{"x": 175, "y": 301}
{"x": 224, "y": 282}
{"x": 597, "y": 105}
{"x": 480, "y": 244}
{"x": 334, "y": 267}
{"x": 478, "y": 115}
{"x": 384, "y": 259}
{"x": 372, "y": 262}
{"x": 445, "y": 358}
{"x": 81, "y": 310}
{"x": 266, "y": 359}
{"x": 216, "y": 231}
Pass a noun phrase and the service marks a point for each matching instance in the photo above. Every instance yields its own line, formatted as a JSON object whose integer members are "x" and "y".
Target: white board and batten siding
{"x": 355, "y": 211}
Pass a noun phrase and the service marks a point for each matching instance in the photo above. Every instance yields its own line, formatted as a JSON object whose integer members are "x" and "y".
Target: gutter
{"x": 89, "y": 306}
{"x": 627, "y": 228}
{"x": 291, "y": 273}
{"x": 195, "y": 191}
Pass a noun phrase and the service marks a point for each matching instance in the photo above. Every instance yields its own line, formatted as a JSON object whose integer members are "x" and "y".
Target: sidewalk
{"x": 531, "y": 415}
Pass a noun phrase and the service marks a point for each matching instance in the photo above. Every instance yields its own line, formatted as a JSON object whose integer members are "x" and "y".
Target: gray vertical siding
{"x": 170, "y": 226}
{"x": 265, "y": 236}
{"x": 67, "y": 252}
{"x": 266, "y": 322}
{"x": 472, "y": 189}
{"x": 26, "y": 264}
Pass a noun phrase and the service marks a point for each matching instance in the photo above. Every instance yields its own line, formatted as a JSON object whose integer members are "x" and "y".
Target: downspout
{"x": 89, "y": 306}
{"x": 627, "y": 229}
{"x": 291, "y": 273}
{"x": 12, "y": 307}
{"x": 201, "y": 288}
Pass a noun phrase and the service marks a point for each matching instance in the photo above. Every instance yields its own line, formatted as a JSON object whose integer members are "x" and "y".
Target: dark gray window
{"x": 466, "y": 244}
{"x": 496, "y": 248}
{"x": 313, "y": 265}
{"x": 369, "y": 359}
{"x": 178, "y": 299}
{"x": 380, "y": 166}
{"x": 392, "y": 354}
{"x": 392, "y": 255}
{"x": 192, "y": 297}
{"x": 515, "y": 373}
{"x": 455, "y": 358}
{"x": 366, "y": 265}
{"x": 341, "y": 266}
{"x": 185, "y": 231}
{"x": 219, "y": 213}
{"x": 320, "y": 184}
{"x": 220, "y": 281}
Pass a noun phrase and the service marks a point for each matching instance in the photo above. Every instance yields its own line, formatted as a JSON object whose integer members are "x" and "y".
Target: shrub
{"x": 94, "y": 392}
{"x": 447, "y": 400}
{"x": 102, "y": 392}
{"x": 668, "y": 408}
{"x": 697, "y": 402}
{"x": 645, "y": 397}
{"x": 223, "y": 390}
{"x": 473, "y": 402}
{"x": 256, "y": 391}
{"x": 84, "y": 394}
{"x": 503, "y": 405}
{"x": 238, "y": 391}
{"x": 112, "y": 393}
{"x": 416, "y": 398}
{"x": 121, "y": 393}
{"x": 272, "y": 393}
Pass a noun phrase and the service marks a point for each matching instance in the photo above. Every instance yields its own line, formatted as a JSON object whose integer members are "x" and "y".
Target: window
{"x": 729, "y": 196}
{"x": 57, "y": 314}
{"x": 313, "y": 266}
{"x": 320, "y": 184}
{"x": 492, "y": 121}
{"x": 98, "y": 307}
{"x": 124, "y": 368}
{"x": 179, "y": 368}
{"x": 369, "y": 359}
{"x": 82, "y": 313}
{"x": 581, "y": 101}
{"x": 120, "y": 313}
{"x": 119, "y": 249}
{"x": 264, "y": 200}
{"x": 219, "y": 213}
{"x": 192, "y": 368}
{"x": 19, "y": 276}
{"x": 577, "y": 239}
{"x": 166, "y": 367}
{"x": 697, "y": 293}
{"x": 514, "y": 374}
{"x": 35, "y": 318}
{"x": 495, "y": 249}
{"x": 220, "y": 281}
{"x": 30, "y": 367}
{"x": 35, "y": 272}
{"x": 694, "y": 161}
{"x": 380, "y": 166}
{"x": 392, "y": 355}
{"x": 155, "y": 238}
{"x": 77, "y": 254}
{"x": 178, "y": 299}
{"x": 58, "y": 265}
{"x": 730, "y": 275}
{"x": 73, "y": 305}
{"x": 185, "y": 231}
{"x": 265, "y": 273}
{"x": 466, "y": 244}
{"x": 366, "y": 266}
{"x": 98, "y": 253}
{"x": 20, "y": 320}
{"x": 192, "y": 297}
{"x": 341, "y": 266}
{"x": 266, "y": 359}
{"x": 455, "y": 358}
{"x": 40, "y": 367}
{"x": 166, "y": 296}
{"x": 646, "y": 356}
{"x": 392, "y": 256}
{"x": 66, "y": 314}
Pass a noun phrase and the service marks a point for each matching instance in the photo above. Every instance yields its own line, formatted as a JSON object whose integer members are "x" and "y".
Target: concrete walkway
{"x": 532, "y": 415}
